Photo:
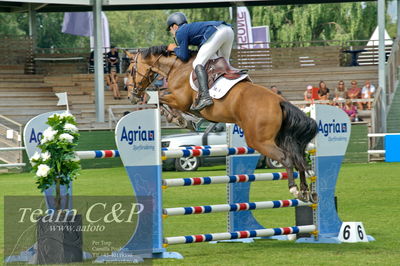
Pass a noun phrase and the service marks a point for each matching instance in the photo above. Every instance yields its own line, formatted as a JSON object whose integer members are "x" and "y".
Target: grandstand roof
{"x": 109, "y": 5}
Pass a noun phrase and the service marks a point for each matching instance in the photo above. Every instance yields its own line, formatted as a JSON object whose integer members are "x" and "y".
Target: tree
{"x": 288, "y": 23}
{"x": 303, "y": 23}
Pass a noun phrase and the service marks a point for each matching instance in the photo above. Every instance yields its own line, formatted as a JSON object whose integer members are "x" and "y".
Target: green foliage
{"x": 148, "y": 28}
{"x": 57, "y": 163}
{"x": 50, "y": 35}
{"x": 303, "y": 23}
{"x": 135, "y": 29}
{"x": 288, "y": 23}
{"x": 13, "y": 24}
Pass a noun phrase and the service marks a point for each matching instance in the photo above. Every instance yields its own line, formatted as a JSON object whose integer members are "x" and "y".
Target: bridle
{"x": 136, "y": 91}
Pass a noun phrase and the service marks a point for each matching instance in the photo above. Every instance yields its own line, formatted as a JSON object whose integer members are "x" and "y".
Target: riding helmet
{"x": 177, "y": 18}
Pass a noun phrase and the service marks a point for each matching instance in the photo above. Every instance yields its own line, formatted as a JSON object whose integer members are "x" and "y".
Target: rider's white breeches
{"x": 219, "y": 44}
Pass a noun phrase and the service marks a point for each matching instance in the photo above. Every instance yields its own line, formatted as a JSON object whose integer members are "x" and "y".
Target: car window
{"x": 203, "y": 125}
{"x": 220, "y": 127}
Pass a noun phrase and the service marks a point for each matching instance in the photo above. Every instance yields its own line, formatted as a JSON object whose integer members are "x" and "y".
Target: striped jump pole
{"x": 246, "y": 206}
{"x": 98, "y": 154}
{"x": 219, "y": 151}
{"x": 197, "y": 147}
{"x": 225, "y": 179}
{"x": 240, "y": 234}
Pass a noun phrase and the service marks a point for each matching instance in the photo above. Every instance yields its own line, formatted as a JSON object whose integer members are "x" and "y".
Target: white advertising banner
{"x": 34, "y": 130}
{"x": 244, "y": 30}
{"x": 334, "y": 129}
{"x": 136, "y": 133}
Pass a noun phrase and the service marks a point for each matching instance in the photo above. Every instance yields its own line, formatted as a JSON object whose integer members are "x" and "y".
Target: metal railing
{"x": 298, "y": 51}
{"x": 392, "y": 73}
{"x": 10, "y": 142}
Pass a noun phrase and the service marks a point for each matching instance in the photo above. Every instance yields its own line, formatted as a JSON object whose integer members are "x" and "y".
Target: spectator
{"x": 340, "y": 93}
{"x": 112, "y": 82}
{"x": 159, "y": 82}
{"x": 323, "y": 91}
{"x": 91, "y": 62}
{"x": 308, "y": 93}
{"x": 367, "y": 92}
{"x": 311, "y": 93}
{"x": 351, "y": 110}
{"x": 275, "y": 90}
{"x": 113, "y": 59}
{"x": 354, "y": 93}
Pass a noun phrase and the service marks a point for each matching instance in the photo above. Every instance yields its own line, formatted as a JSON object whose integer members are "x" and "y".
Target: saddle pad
{"x": 221, "y": 86}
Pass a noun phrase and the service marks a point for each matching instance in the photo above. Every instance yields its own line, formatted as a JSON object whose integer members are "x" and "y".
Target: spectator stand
{"x": 10, "y": 144}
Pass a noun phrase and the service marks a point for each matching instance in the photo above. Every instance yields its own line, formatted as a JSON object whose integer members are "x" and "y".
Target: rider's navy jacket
{"x": 196, "y": 33}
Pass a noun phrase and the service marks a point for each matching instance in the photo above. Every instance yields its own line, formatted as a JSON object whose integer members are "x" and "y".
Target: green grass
{"x": 366, "y": 192}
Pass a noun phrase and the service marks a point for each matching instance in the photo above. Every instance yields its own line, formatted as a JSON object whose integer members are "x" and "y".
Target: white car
{"x": 207, "y": 133}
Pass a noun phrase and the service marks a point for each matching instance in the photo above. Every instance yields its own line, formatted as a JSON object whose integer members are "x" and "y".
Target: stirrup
{"x": 203, "y": 103}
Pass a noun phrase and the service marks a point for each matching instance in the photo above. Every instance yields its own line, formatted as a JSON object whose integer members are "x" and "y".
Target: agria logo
{"x": 334, "y": 127}
{"x": 132, "y": 136}
{"x": 35, "y": 137}
{"x": 238, "y": 130}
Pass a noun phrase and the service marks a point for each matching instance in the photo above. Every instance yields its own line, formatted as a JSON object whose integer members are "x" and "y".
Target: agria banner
{"x": 334, "y": 130}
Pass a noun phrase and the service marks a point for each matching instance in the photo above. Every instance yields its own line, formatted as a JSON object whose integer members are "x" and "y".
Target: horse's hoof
{"x": 313, "y": 197}
{"x": 295, "y": 191}
{"x": 169, "y": 118}
{"x": 304, "y": 196}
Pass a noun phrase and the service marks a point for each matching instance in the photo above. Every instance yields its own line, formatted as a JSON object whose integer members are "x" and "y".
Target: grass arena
{"x": 356, "y": 190}
{"x": 365, "y": 192}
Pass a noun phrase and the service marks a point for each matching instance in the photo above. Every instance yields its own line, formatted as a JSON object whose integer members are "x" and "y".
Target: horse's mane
{"x": 160, "y": 50}
{"x": 155, "y": 50}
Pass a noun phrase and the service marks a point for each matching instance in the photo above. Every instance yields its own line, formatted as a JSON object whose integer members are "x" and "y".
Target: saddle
{"x": 217, "y": 68}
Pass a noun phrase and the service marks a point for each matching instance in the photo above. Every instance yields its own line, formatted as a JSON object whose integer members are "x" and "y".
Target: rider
{"x": 212, "y": 37}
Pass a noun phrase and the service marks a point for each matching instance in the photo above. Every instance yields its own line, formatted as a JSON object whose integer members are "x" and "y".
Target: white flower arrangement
{"x": 66, "y": 137}
{"x": 48, "y": 135}
{"x": 70, "y": 127}
{"x": 57, "y": 163}
{"x": 67, "y": 115}
{"x": 45, "y": 156}
{"x": 43, "y": 170}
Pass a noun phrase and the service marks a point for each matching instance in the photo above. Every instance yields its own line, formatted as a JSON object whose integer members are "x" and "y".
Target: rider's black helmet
{"x": 177, "y": 18}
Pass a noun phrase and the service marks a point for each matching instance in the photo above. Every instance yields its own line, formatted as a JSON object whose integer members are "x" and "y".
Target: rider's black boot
{"x": 204, "y": 98}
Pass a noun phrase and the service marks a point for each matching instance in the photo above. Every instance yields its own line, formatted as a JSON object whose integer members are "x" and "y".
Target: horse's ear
{"x": 129, "y": 54}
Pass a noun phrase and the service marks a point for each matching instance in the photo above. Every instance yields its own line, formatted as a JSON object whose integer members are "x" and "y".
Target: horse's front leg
{"x": 168, "y": 98}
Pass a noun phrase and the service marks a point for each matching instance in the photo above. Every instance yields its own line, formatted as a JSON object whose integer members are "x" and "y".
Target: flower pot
{"x": 59, "y": 238}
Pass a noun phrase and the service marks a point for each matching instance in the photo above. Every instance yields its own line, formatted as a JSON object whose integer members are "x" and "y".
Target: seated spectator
{"x": 113, "y": 59}
{"x": 91, "y": 62}
{"x": 323, "y": 91}
{"x": 112, "y": 83}
{"x": 367, "y": 92}
{"x": 354, "y": 93}
{"x": 159, "y": 82}
{"x": 308, "y": 93}
{"x": 340, "y": 93}
{"x": 311, "y": 93}
{"x": 351, "y": 110}
{"x": 275, "y": 90}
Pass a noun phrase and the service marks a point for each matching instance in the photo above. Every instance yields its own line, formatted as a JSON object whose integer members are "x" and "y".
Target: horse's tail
{"x": 296, "y": 132}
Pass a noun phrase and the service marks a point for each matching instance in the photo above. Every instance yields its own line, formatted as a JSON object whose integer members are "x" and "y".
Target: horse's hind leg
{"x": 274, "y": 152}
{"x": 304, "y": 193}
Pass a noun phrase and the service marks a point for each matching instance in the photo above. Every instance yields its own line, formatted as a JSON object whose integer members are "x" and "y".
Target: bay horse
{"x": 272, "y": 125}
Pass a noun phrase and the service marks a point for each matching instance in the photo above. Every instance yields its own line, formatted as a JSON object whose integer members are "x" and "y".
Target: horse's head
{"x": 141, "y": 76}
{"x": 143, "y": 69}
